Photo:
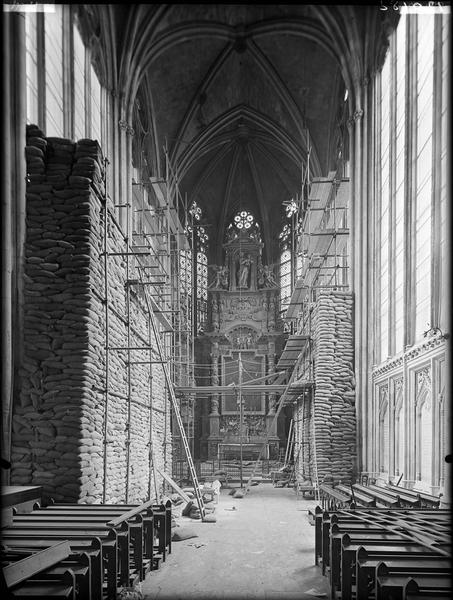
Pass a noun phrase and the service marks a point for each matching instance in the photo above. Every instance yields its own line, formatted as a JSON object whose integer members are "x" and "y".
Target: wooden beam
{"x": 174, "y": 485}
{"x": 23, "y": 569}
{"x": 245, "y": 389}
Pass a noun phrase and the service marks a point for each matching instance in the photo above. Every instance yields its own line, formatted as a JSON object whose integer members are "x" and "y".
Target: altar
{"x": 241, "y": 336}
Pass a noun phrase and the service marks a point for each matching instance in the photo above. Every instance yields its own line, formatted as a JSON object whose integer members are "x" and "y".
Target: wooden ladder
{"x": 174, "y": 401}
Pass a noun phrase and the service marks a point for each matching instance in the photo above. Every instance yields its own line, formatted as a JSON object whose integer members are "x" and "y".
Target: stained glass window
{"x": 289, "y": 257}
{"x": 199, "y": 238}
{"x": 202, "y": 288}
{"x": 425, "y": 49}
{"x": 79, "y": 85}
{"x": 243, "y": 222}
{"x": 31, "y": 58}
{"x": 384, "y": 210}
{"x": 285, "y": 279}
{"x": 398, "y": 198}
{"x": 53, "y": 43}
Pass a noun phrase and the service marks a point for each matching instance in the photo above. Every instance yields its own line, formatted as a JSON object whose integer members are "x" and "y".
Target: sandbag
{"x": 186, "y": 510}
{"x": 183, "y": 533}
{"x": 210, "y": 519}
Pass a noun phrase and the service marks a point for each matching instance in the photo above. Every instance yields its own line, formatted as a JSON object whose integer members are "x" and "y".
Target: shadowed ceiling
{"x": 239, "y": 93}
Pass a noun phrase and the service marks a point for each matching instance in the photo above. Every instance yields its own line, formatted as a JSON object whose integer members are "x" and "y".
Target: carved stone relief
{"x": 242, "y": 338}
{"x": 423, "y": 386}
{"x": 253, "y": 425}
{"x": 383, "y": 397}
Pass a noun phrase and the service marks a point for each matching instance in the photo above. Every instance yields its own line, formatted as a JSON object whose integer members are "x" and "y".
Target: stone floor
{"x": 263, "y": 549}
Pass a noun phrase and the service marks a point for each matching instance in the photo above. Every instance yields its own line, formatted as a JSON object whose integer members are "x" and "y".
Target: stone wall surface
{"x": 330, "y": 424}
{"x": 78, "y": 406}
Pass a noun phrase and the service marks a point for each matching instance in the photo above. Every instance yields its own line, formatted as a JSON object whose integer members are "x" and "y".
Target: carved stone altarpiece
{"x": 242, "y": 327}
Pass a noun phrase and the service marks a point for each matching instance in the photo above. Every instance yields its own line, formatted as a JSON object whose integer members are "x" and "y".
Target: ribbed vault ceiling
{"x": 234, "y": 89}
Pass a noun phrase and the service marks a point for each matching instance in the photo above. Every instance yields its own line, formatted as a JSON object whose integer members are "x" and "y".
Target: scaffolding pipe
{"x": 107, "y": 337}
{"x": 128, "y": 337}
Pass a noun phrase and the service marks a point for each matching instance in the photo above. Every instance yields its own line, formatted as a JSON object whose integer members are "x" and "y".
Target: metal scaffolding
{"x": 321, "y": 262}
{"x": 153, "y": 243}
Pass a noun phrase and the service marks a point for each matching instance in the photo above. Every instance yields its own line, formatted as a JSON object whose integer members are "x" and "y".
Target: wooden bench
{"x": 365, "y": 579}
{"x": 427, "y": 500}
{"x": 353, "y": 543}
{"x": 114, "y": 548}
{"x": 332, "y": 498}
{"x": 130, "y": 534}
{"x": 62, "y": 587}
{"x": 153, "y": 525}
{"x": 390, "y": 549}
{"x": 78, "y": 564}
{"x": 79, "y": 549}
{"x": 390, "y": 586}
{"x": 406, "y": 500}
{"x": 32, "y": 575}
{"x": 378, "y": 495}
{"x": 357, "y": 497}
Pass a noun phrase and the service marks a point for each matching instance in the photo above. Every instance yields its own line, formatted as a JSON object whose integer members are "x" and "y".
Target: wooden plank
{"x": 24, "y": 569}
{"x": 63, "y": 588}
{"x": 175, "y": 486}
{"x": 15, "y": 494}
{"x": 131, "y": 513}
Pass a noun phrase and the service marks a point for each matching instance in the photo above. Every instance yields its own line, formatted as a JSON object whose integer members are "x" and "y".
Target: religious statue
{"x": 260, "y": 275}
{"x": 243, "y": 272}
{"x": 221, "y": 274}
{"x": 224, "y": 277}
{"x": 266, "y": 277}
{"x": 271, "y": 315}
{"x": 269, "y": 277}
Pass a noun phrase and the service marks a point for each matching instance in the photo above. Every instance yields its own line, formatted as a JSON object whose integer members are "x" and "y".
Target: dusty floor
{"x": 264, "y": 549}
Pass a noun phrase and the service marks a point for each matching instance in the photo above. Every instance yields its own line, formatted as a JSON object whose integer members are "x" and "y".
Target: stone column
{"x": 13, "y": 214}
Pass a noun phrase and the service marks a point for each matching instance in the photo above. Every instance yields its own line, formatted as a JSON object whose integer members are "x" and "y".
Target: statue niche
{"x": 243, "y": 271}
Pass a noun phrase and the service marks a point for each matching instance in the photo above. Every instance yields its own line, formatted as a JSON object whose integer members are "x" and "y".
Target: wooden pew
{"x": 108, "y": 539}
{"x": 18, "y": 571}
{"x": 45, "y": 526}
{"x": 427, "y": 500}
{"x": 408, "y": 500}
{"x": 162, "y": 514}
{"x": 390, "y": 587}
{"x": 426, "y": 578}
{"x": 61, "y": 588}
{"x": 79, "y": 565}
{"x": 157, "y": 518}
{"x": 131, "y": 520}
{"x": 367, "y": 563}
{"x": 332, "y": 499}
{"x": 31, "y": 576}
{"x": 357, "y": 497}
{"x": 374, "y": 535}
{"x": 390, "y": 549}
{"x": 379, "y": 496}
{"x": 353, "y": 543}
{"x": 81, "y": 550}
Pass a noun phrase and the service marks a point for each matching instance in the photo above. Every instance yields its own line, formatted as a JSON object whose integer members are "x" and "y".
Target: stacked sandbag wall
{"x": 334, "y": 426}
{"x": 328, "y": 419}
{"x": 67, "y": 425}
